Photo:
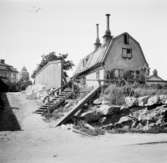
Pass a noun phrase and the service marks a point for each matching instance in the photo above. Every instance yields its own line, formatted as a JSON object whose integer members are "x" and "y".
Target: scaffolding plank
{"x": 77, "y": 107}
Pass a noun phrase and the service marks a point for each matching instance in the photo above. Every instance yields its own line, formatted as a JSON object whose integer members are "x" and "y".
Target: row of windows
{"x": 119, "y": 73}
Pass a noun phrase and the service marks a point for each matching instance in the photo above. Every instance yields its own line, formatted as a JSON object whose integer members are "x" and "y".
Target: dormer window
{"x": 85, "y": 61}
{"x": 126, "y": 53}
{"x": 126, "y": 39}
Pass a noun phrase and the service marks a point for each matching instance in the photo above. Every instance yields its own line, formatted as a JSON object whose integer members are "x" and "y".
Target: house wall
{"x": 115, "y": 59}
{"x": 4, "y": 73}
{"x": 50, "y": 75}
{"x": 10, "y": 75}
{"x": 13, "y": 77}
{"x": 92, "y": 79}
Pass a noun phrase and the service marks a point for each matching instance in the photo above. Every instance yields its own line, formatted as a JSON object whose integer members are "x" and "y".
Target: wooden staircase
{"x": 59, "y": 97}
{"x": 55, "y": 99}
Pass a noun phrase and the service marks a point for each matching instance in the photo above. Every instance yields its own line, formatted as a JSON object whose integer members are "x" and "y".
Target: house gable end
{"x": 114, "y": 58}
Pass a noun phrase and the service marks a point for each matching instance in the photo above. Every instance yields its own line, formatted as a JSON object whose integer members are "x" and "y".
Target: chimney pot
{"x": 97, "y": 43}
{"x": 108, "y": 22}
{"x": 107, "y": 35}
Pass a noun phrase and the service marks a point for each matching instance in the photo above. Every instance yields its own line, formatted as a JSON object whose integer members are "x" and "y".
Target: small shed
{"x": 155, "y": 80}
{"x": 50, "y": 75}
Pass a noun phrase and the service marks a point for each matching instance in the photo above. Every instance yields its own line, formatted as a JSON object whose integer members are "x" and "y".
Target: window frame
{"x": 127, "y": 53}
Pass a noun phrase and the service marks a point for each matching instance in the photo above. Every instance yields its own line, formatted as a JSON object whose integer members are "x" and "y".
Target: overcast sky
{"x": 31, "y": 28}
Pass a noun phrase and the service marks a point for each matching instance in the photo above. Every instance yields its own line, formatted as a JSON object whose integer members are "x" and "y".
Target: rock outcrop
{"x": 142, "y": 114}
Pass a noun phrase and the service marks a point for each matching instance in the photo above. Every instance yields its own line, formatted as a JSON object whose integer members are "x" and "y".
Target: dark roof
{"x": 91, "y": 60}
{"x": 7, "y": 67}
{"x": 98, "y": 56}
{"x": 13, "y": 69}
{"x": 155, "y": 78}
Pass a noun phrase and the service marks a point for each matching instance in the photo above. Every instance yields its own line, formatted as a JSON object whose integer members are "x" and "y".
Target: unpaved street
{"x": 41, "y": 142}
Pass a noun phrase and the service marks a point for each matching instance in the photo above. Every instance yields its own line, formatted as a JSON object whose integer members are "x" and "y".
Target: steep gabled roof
{"x": 98, "y": 57}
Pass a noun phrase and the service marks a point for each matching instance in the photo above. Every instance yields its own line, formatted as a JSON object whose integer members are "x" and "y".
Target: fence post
{"x": 72, "y": 84}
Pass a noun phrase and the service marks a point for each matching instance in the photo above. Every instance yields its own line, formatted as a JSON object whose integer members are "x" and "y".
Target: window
{"x": 126, "y": 39}
{"x": 137, "y": 74}
{"x": 127, "y": 53}
{"x": 97, "y": 75}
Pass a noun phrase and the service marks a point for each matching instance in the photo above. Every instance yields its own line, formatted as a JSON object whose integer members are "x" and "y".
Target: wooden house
{"x": 112, "y": 59}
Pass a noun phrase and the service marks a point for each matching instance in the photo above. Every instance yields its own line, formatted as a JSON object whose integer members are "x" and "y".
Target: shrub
{"x": 22, "y": 85}
{"x": 116, "y": 95}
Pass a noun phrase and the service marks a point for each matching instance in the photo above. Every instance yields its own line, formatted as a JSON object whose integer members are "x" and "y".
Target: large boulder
{"x": 163, "y": 99}
{"x": 104, "y": 109}
{"x": 153, "y": 100}
{"x": 142, "y": 101}
{"x": 108, "y": 109}
{"x": 148, "y": 119}
{"x": 130, "y": 101}
{"x": 97, "y": 101}
{"x": 91, "y": 115}
{"x": 124, "y": 121}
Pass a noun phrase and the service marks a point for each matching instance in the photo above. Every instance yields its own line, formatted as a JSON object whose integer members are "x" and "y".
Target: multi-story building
{"x": 8, "y": 72}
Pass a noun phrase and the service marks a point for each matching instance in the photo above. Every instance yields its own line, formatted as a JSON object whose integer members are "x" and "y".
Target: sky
{"x": 32, "y": 28}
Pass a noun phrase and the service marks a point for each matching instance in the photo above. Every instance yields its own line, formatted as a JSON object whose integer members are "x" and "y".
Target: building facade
{"x": 8, "y": 72}
{"x": 50, "y": 75}
{"x": 112, "y": 59}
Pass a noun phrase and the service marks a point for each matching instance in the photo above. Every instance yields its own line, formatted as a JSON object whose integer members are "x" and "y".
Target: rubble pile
{"x": 142, "y": 114}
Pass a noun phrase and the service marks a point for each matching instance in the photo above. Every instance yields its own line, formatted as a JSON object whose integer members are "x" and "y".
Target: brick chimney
{"x": 97, "y": 43}
{"x": 107, "y": 37}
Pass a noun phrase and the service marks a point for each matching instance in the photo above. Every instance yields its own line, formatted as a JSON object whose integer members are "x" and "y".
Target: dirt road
{"x": 41, "y": 143}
